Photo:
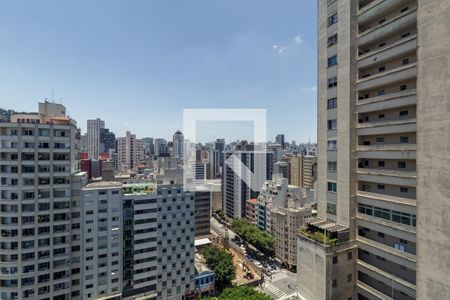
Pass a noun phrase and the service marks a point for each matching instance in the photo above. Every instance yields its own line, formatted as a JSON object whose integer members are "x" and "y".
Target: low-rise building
{"x": 250, "y": 212}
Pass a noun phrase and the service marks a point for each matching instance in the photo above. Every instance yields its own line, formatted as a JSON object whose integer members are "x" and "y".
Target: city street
{"x": 280, "y": 284}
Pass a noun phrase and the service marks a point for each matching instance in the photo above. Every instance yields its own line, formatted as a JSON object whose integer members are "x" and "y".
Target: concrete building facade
{"x": 94, "y": 129}
{"x": 130, "y": 151}
{"x": 380, "y": 109}
{"x": 302, "y": 170}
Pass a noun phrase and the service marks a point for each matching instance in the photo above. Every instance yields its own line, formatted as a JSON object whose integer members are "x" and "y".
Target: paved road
{"x": 280, "y": 284}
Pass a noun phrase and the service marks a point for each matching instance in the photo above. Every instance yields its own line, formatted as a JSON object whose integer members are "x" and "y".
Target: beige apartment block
{"x": 302, "y": 170}
{"x": 383, "y": 153}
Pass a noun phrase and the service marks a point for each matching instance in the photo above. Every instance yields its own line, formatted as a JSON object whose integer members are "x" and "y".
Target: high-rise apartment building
{"x": 235, "y": 190}
{"x": 149, "y": 145}
{"x": 178, "y": 144}
{"x": 94, "y": 128}
{"x": 302, "y": 170}
{"x": 130, "y": 151}
{"x": 38, "y": 192}
{"x": 382, "y": 134}
{"x": 101, "y": 242}
{"x": 108, "y": 142}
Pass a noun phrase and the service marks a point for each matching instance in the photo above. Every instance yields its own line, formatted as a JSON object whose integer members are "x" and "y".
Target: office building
{"x": 94, "y": 128}
{"x": 161, "y": 148}
{"x": 149, "y": 145}
{"x": 235, "y": 190}
{"x": 130, "y": 151}
{"x": 381, "y": 111}
{"x": 101, "y": 243}
{"x": 108, "y": 142}
{"x": 280, "y": 140}
{"x": 38, "y": 173}
{"x": 178, "y": 144}
{"x": 302, "y": 170}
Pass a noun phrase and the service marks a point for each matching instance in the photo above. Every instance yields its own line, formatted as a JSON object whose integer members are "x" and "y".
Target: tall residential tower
{"x": 383, "y": 116}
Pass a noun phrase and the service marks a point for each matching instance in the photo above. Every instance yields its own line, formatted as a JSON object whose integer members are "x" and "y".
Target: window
{"x": 381, "y": 235}
{"x": 332, "y": 82}
{"x": 332, "y": 145}
{"x": 332, "y": 186}
{"x": 382, "y": 69}
{"x": 349, "y": 277}
{"x": 403, "y": 189}
{"x": 380, "y": 187}
{"x": 404, "y": 9}
{"x": 332, "y": 61}
{"x": 349, "y": 256}
{"x": 332, "y": 103}
{"x": 332, "y": 19}
{"x": 381, "y": 92}
{"x": 332, "y": 40}
{"x": 404, "y": 139}
{"x": 332, "y": 166}
{"x": 380, "y": 140}
{"x": 332, "y": 124}
{"x": 403, "y": 113}
{"x": 381, "y": 164}
{"x": 404, "y": 35}
{"x": 334, "y": 283}
{"x": 335, "y": 260}
{"x": 403, "y": 87}
{"x": 405, "y": 61}
{"x": 331, "y": 208}
{"x": 402, "y": 164}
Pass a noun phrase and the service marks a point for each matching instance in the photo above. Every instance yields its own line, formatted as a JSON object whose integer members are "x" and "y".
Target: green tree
{"x": 221, "y": 262}
{"x": 261, "y": 239}
{"x": 242, "y": 293}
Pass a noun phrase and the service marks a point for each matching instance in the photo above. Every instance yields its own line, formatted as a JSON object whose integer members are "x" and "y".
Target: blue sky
{"x": 137, "y": 64}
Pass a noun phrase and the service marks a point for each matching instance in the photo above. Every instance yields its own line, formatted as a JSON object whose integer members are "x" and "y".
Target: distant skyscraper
{"x": 161, "y": 148}
{"x": 280, "y": 140}
{"x": 149, "y": 145}
{"x": 94, "y": 128}
{"x": 107, "y": 140}
{"x": 178, "y": 144}
{"x": 130, "y": 151}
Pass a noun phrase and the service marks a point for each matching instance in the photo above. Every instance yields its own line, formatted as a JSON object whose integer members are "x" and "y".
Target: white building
{"x": 130, "y": 151}
{"x": 178, "y": 144}
{"x": 93, "y": 137}
{"x": 102, "y": 241}
{"x": 38, "y": 163}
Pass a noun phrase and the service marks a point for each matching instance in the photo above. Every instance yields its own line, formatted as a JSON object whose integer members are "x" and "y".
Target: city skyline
{"x": 142, "y": 64}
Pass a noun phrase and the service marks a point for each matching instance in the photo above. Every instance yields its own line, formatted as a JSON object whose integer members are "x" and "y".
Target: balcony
{"x": 385, "y": 176}
{"x": 396, "y": 75}
{"x": 371, "y": 293}
{"x": 399, "y": 257}
{"x": 376, "y": 197}
{"x": 387, "y": 151}
{"x": 372, "y": 10}
{"x": 387, "y": 127}
{"x": 381, "y": 55}
{"x": 385, "y": 102}
{"x": 388, "y": 28}
{"x": 387, "y": 278}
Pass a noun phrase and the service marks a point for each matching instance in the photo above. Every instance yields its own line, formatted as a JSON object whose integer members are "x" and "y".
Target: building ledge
{"x": 387, "y": 147}
{"x": 387, "y": 172}
{"x": 393, "y": 225}
{"x": 373, "y": 29}
{"x": 387, "y": 97}
{"x": 393, "y": 45}
{"x": 388, "y": 72}
{"x": 388, "y": 249}
{"x": 386, "y": 123}
{"x": 370, "y": 290}
{"x": 387, "y": 275}
{"x": 387, "y": 198}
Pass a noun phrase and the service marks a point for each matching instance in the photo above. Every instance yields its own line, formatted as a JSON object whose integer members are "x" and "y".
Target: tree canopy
{"x": 242, "y": 293}
{"x": 221, "y": 262}
{"x": 260, "y": 239}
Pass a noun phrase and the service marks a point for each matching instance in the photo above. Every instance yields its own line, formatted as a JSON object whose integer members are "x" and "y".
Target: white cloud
{"x": 309, "y": 88}
{"x": 298, "y": 39}
{"x": 281, "y": 50}
{"x": 275, "y": 46}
